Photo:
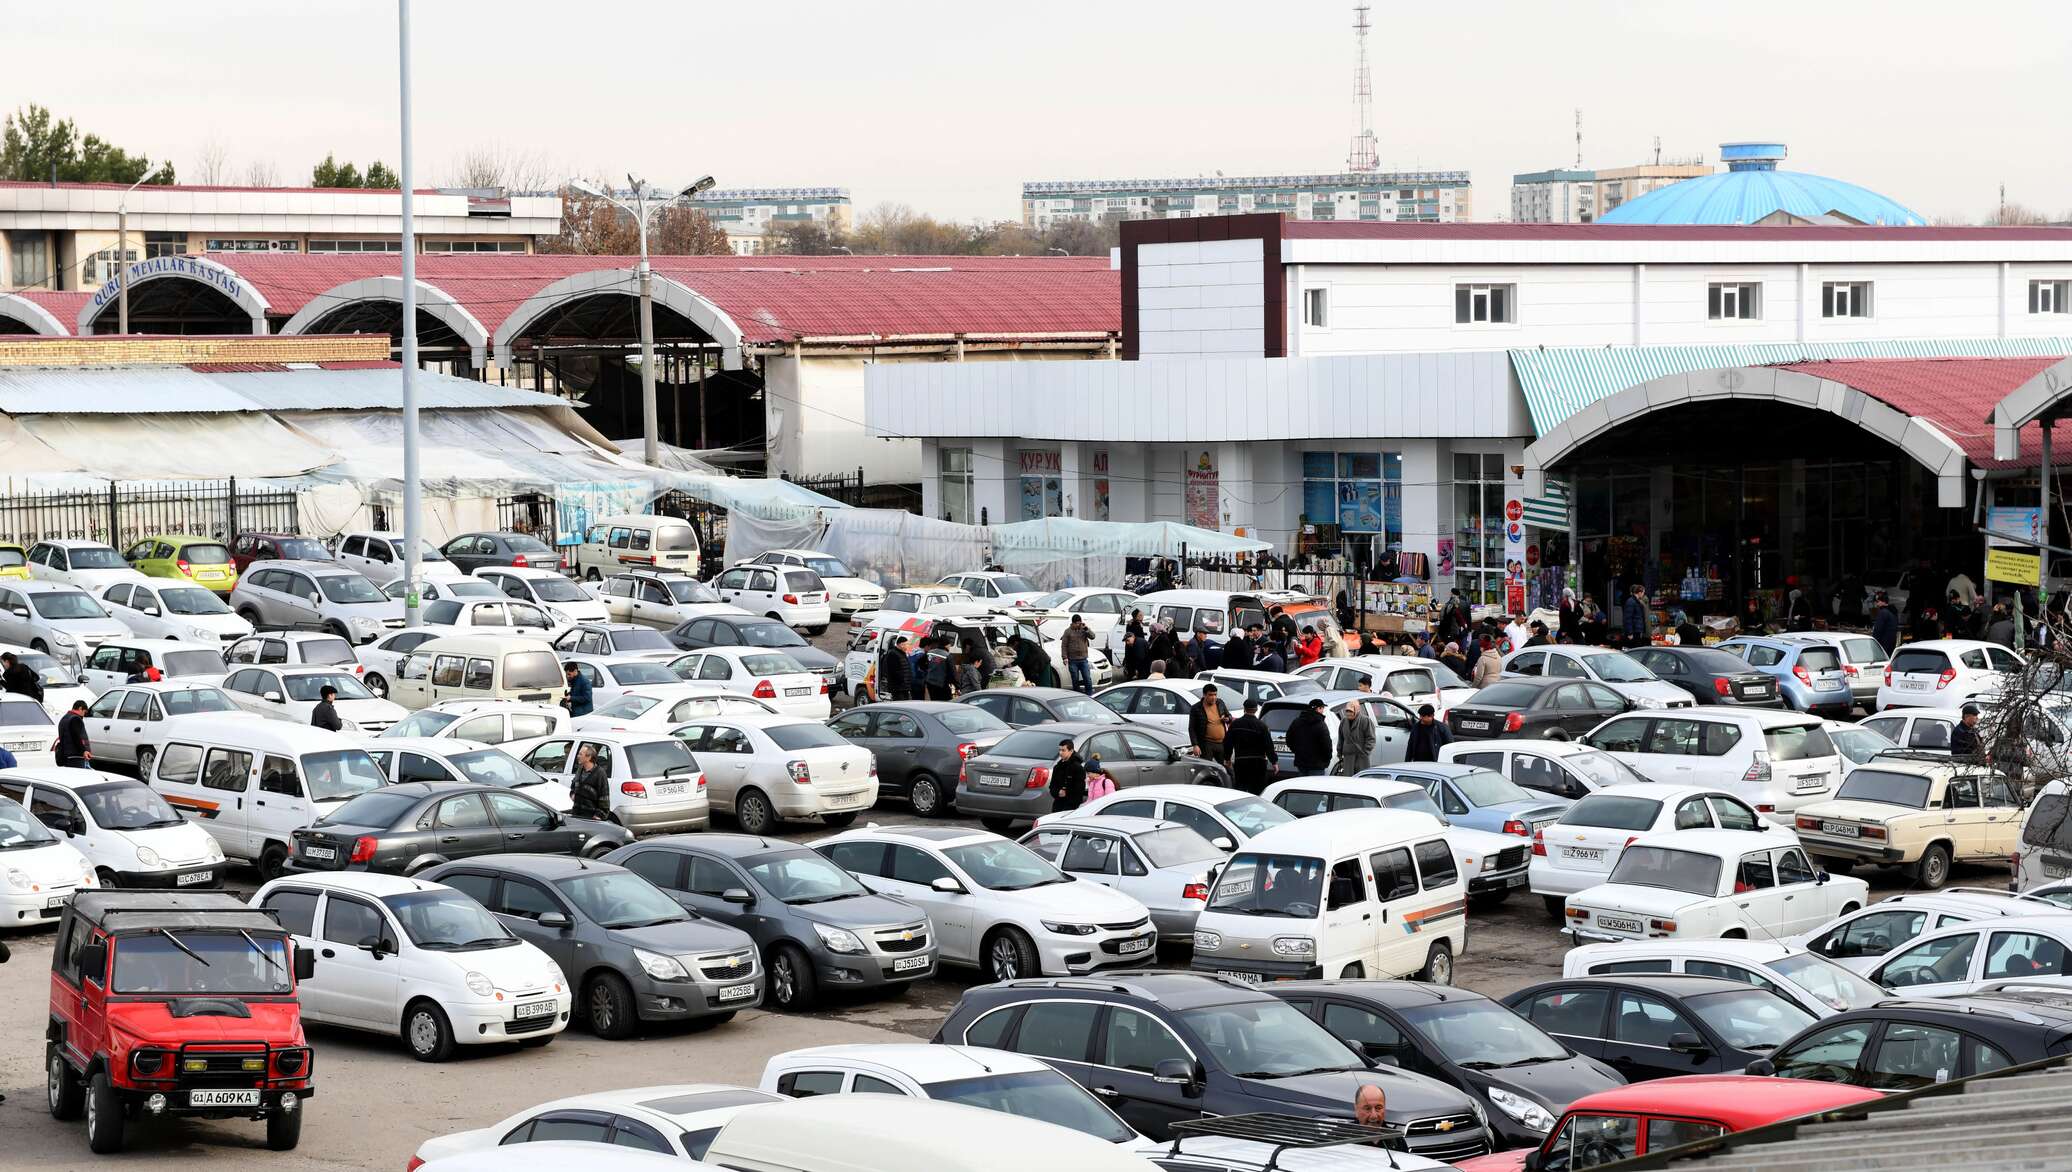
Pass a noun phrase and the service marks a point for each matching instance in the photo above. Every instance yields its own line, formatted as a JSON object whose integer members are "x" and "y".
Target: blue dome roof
{"x": 1752, "y": 188}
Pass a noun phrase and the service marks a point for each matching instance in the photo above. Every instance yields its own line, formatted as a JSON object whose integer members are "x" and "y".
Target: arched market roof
{"x": 431, "y": 299}
{"x": 43, "y": 313}
{"x": 205, "y": 271}
{"x": 2041, "y": 395}
{"x": 667, "y": 292}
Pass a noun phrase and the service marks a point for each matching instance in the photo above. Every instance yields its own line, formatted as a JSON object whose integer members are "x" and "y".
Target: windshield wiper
{"x": 1534, "y": 1060}
{"x": 1481, "y": 1064}
{"x": 649, "y": 923}
{"x": 177, "y": 943}
{"x": 489, "y": 942}
{"x": 824, "y": 898}
{"x": 1296, "y": 1073}
{"x": 261, "y": 951}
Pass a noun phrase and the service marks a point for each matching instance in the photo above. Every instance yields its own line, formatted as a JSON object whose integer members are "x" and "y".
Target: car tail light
{"x": 1948, "y": 677}
{"x": 1039, "y": 778}
{"x": 1514, "y": 826}
{"x": 1759, "y": 769}
{"x": 633, "y": 789}
{"x": 1514, "y": 722}
{"x": 801, "y": 772}
{"x": 1851, "y": 669}
{"x": 764, "y": 690}
{"x": 1871, "y": 831}
{"x": 1807, "y": 823}
{"x": 1576, "y": 913}
{"x": 1805, "y": 677}
{"x": 823, "y": 687}
{"x": 1198, "y": 891}
{"x": 1719, "y": 684}
{"x": 1662, "y": 925}
{"x": 518, "y": 561}
{"x": 1888, "y": 675}
{"x": 363, "y": 848}
{"x": 184, "y": 567}
{"x": 791, "y": 599}
{"x": 965, "y": 750}
{"x": 415, "y": 1163}
{"x": 1766, "y": 809}
{"x": 1539, "y": 843}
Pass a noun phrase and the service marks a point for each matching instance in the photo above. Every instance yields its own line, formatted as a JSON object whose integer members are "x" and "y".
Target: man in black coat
{"x": 1427, "y": 736}
{"x": 1250, "y": 744}
{"x": 1238, "y": 651}
{"x": 589, "y": 792}
{"x": 325, "y": 714}
{"x": 1309, "y": 741}
{"x": 1885, "y": 627}
{"x": 1136, "y": 656}
{"x": 1208, "y": 725}
{"x": 895, "y": 671}
{"x": 19, "y": 678}
{"x": 1067, "y": 778}
{"x": 74, "y": 749}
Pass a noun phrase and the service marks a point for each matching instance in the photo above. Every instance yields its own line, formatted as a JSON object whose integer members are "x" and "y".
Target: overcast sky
{"x": 948, "y": 107}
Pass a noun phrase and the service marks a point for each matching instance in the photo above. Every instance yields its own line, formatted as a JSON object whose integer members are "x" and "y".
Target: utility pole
{"x": 1363, "y": 157}
{"x": 413, "y": 492}
{"x": 122, "y": 257}
{"x": 1579, "y": 138}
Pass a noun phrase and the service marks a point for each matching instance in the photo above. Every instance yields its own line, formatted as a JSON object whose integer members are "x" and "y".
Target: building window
{"x": 1316, "y": 307}
{"x": 955, "y": 465}
{"x": 1734, "y": 300}
{"x": 472, "y": 246}
{"x": 356, "y": 246}
{"x": 1042, "y": 485}
{"x": 1478, "y": 525}
{"x": 243, "y": 245}
{"x": 157, "y": 244}
{"x": 1361, "y": 493}
{"x": 30, "y": 259}
{"x": 99, "y": 269}
{"x": 2050, "y": 297}
{"x": 1484, "y": 304}
{"x": 1845, "y": 299}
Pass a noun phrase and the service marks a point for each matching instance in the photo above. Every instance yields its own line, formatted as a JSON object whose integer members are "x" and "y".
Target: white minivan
{"x": 1355, "y": 893}
{"x": 636, "y": 541}
{"x": 253, "y": 783}
{"x": 479, "y": 667}
{"x": 1775, "y": 760}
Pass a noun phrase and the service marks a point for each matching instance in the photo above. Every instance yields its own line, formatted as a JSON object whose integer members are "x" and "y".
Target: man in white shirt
{"x": 1964, "y": 588}
{"x": 1515, "y": 634}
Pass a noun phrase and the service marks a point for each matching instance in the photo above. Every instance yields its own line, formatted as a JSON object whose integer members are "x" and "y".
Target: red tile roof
{"x": 1371, "y": 230}
{"x": 62, "y": 306}
{"x": 1955, "y": 394}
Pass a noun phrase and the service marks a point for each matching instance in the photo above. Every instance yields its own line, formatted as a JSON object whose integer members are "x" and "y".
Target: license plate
{"x": 672, "y": 790}
{"x": 907, "y": 964}
{"x": 1914, "y": 685}
{"x": 533, "y": 1009}
{"x": 210, "y": 574}
{"x": 1808, "y": 784}
{"x": 55, "y": 901}
{"x": 1748, "y": 693}
{"x": 855, "y": 799}
{"x": 193, "y": 878}
{"x": 1476, "y": 725}
{"x": 737, "y": 992}
{"x": 1618, "y": 924}
{"x": 320, "y": 853}
{"x": 1841, "y": 829}
{"x": 991, "y": 781}
{"x": 223, "y": 1098}
{"x": 1583, "y": 854}
{"x": 2056, "y": 868}
{"x": 1233, "y": 974}
{"x": 798, "y": 691}
{"x": 1515, "y": 881}
{"x": 1130, "y": 946}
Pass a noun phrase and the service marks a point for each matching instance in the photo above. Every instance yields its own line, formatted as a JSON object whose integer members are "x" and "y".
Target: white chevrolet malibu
{"x": 1735, "y": 884}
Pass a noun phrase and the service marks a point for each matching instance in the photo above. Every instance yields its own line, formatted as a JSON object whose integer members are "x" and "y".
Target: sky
{"x": 949, "y": 107}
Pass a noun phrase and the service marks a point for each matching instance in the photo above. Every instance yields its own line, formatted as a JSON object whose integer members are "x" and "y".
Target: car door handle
{"x": 456, "y": 838}
{"x": 1366, "y": 915}
{"x": 1108, "y": 1092}
{"x": 328, "y": 954}
{"x": 514, "y": 835}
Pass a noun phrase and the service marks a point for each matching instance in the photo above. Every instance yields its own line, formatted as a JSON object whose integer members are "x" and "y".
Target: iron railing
{"x": 123, "y": 513}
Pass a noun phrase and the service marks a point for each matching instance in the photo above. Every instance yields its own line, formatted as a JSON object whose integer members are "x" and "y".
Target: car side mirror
{"x": 1761, "y": 1067}
{"x": 555, "y": 920}
{"x": 1819, "y": 876}
{"x": 64, "y": 823}
{"x": 1688, "y": 1043}
{"x": 1185, "y": 1073}
{"x": 151, "y": 611}
{"x": 1222, "y": 843}
{"x": 305, "y": 964}
{"x": 739, "y": 895}
{"x": 1532, "y": 1161}
{"x": 20, "y": 612}
{"x": 273, "y": 697}
{"x": 1375, "y": 1053}
{"x": 947, "y": 886}
{"x": 93, "y": 960}
{"x": 377, "y": 945}
{"x": 313, "y": 599}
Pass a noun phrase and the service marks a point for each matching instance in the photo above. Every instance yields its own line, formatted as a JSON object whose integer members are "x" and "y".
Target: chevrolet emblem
{"x": 1242, "y": 947}
{"x": 907, "y": 935}
{"x": 1443, "y": 1125}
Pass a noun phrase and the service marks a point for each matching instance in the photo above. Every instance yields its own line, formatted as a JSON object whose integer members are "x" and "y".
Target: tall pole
{"x": 412, "y": 492}
{"x": 122, "y": 266}
{"x": 650, "y": 423}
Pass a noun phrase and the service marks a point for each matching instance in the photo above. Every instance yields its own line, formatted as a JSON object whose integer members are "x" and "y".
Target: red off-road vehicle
{"x": 175, "y": 1002}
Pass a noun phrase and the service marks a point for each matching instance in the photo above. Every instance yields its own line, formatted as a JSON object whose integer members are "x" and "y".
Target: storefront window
{"x": 1478, "y": 511}
{"x": 1042, "y": 489}
{"x": 955, "y": 465}
{"x": 1359, "y": 492}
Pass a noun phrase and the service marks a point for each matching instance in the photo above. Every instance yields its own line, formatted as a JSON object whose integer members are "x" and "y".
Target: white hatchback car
{"x": 450, "y": 759}
{"x": 1709, "y": 884}
{"x": 1165, "y": 866}
{"x": 659, "y": 708}
{"x": 1563, "y": 769}
{"x": 292, "y": 647}
{"x": 292, "y": 693}
{"x": 996, "y": 905}
{"x": 486, "y": 722}
{"x": 679, "y": 1120}
{"x": 1582, "y": 847}
{"x": 1860, "y": 939}
{"x": 1946, "y": 673}
{"x": 441, "y": 585}
{"x": 130, "y": 835}
{"x": 996, "y": 587}
{"x": 610, "y": 676}
{"x": 173, "y": 610}
{"x": 89, "y": 565}
{"x": 42, "y": 871}
{"x": 1228, "y": 818}
{"x": 659, "y": 599}
{"x": 26, "y": 729}
{"x": 125, "y": 718}
{"x": 1776, "y": 760}
{"x": 1963, "y": 958}
{"x": 617, "y": 641}
{"x": 59, "y": 679}
{"x": 846, "y": 593}
{"x": 552, "y": 590}
{"x": 378, "y": 556}
{"x": 762, "y": 673}
{"x": 1243, "y": 685}
{"x": 416, "y": 960}
{"x": 654, "y": 783}
{"x": 1614, "y": 669}
{"x": 1812, "y": 982}
{"x": 1164, "y": 704}
{"x": 793, "y": 596}
{"x": 119, "y": 660}
{"x": 765, "y": 769}
{"x": 1404, "y": 678}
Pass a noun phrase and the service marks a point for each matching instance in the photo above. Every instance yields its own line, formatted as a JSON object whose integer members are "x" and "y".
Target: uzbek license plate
{"x": 798, "y": 691}
{"x": 533, "y": 1009}
{"x": 1808, "y": 783}
{"x": 223, "y": 1098}
{"x": 1583, "y": 854}
{"x": 737, "y": 992}
{"x": 1475, "y": 725}
{"x": 193, "y": 878}
{"x": 1515, "y": 881}
{"x": 55, "y": 901}
{"x": 1233, "y": 974}
{"x": 320, "y": 853}
{"x": 1618, "y": 924}
{"x": 1841, "y": 829}
{"x": 907, "y": 964}
{"x": 675, "y": 789}
{"x": 1913, "y": 685}
{"x": 1752, "y": 691}
{"x": 1133, "y": 946}
{"x": 994, "y": 781}
{"x": 2055, "y": 867}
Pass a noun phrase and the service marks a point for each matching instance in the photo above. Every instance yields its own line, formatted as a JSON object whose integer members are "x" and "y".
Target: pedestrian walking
{"x": 1355, "y": 739}
{"x": 1136, "y": 657}
{"x": 1309, "y": 741}
{"x": 1515, "y": 634}
{"x": 589, "y": 792}
{"x": 1636, "y": 617}
{"x": 1570, "y": 622}
{"x": 1427, "y": 736}
{"x": 1885, "y": 624}
{"x": 578, "y": 701}
{"x": 74, "y": 749}
{"x": 2000, "y": 629}
{"x": 1538, "y": 635}
{"x": 1455, "y": 662}
{"x": 1489, "y": 666}
{"x": 941, "y": 672}
{"x": 325, "y": 714}
{"x": 1964, "y": 739}
{"x": 1237, "y": 652}
{"x": 1251, "y": 750}
{"x": 1208, "y": 725}
{"x": 895, "y": 671}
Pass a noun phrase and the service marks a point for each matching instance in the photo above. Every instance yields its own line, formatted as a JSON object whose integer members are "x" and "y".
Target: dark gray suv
{"x": 817, "y": 927}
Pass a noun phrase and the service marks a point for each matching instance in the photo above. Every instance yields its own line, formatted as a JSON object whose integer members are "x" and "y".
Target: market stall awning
{"x": 1080, "y": 536}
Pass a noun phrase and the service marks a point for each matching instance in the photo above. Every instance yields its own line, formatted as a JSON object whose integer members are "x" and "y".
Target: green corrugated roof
{"x": 1559, "y": 382}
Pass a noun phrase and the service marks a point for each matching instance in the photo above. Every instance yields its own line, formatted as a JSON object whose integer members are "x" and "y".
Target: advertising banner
{"x": 1514, "y": 555}
{"x": 1203, "y": 489}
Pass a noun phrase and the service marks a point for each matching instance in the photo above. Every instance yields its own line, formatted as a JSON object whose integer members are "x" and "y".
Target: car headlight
{"x": 1488, "y": 863}
{"x": 553, "y": 977}
{"x": 1529, "y": 1114}
{"x": 661, "y": 968}
{"x": 1069, "y": 929}
{"x": 366, "y": 624}
{"x": 63, "y": 640}
{"x": 350, "y": 725}
{"x": 1208, "y": 941}
{"x": 18, "y": 879}
{"x": 213, "y": 851}
{"x": 838, "y": 939}
{"x": 1648, "y": 702}
{"x": 201, "y": 636}
{"x": 148, "y": 857}
{"x": 1294, "y": 946}
{"x": 479, "y": 985}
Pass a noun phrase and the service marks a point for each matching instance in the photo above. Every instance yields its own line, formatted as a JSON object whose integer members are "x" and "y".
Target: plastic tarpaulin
{"x": 1073, "y": 551}
{"x": 176, "y": 447}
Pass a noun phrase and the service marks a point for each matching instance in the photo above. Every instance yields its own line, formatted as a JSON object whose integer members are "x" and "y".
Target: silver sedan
{"x": 1166, "y": 866}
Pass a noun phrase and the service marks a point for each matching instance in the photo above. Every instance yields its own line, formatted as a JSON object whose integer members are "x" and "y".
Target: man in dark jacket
{"x": 1309, "y": 741}
{"x": 1076, "y": 644}
{"x": 580, "y": 694}
{"x": 74, "y": 749}
{"x": 1538, "y": 634}
{"x": 1067, "y": 778}
{"x": 895, "y": 671}
{"x": 1427, "y": 736}
{"x": 1136, "y": 656}
{"x": 1964, "y": 740}
{"x": 1251, "y": 750}
{"x": 1885, "y": 624}
{"x": 1635, "y": 617}
{"x": 325, "y": 714}
{"x": 940, "y": 670}
{"x": 19, "y": 678}
{"x": 1208, "y": 725}
{"x": 1034, "y": 662}
{"x": 1238, "y": 651}
{"x": 589, "y": 793}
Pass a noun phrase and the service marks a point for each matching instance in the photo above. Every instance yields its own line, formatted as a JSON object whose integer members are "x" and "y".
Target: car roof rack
{"x": 1286, "y": 1132}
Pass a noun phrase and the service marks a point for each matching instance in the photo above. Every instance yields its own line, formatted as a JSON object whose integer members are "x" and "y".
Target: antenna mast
{"x": 1579, "y": 138}
{"x": 1363, "y": 157}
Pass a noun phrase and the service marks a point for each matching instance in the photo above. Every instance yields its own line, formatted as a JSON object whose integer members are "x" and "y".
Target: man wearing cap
{"x": 1964, "y": 740}
{"x": 1355, "y": 739}
{"x": 1208, "y": 724}
{"x": 1309, "y": 741}
{"x": 1251, "y": 750}
{"x": 1427, "y": 736}
{"x": 895, "y": 671}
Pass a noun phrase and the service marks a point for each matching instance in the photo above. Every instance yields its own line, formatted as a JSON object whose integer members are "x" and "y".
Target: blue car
{"x": 1811, "y": 677}
{"x": 1478, "y": 798}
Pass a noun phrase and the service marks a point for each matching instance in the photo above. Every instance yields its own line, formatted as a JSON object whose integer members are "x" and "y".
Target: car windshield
{"x": 1749, "y": 1019}
{"x": 96, "y": 557}
{"x": 203, "y": 662}
{"x": 1669, "y": 869}
{"x": 1890, "y": 789}
{"x": 1480, "y": 1034}
{"x": 309, "y": 686}
{"x": 690, "y": 590}
{"x": 801, "y": 876}
{"x": 1288, "y": 886}
{"x": 1601, "y": 768}
{"x": 1253, "y": 816}
{"x": 126, "y": 805}
{"x": 626, "y": 707}
{"x": 558, "y": 589}
{"x": 640, "y": 639}
{"x": 191, "y": 600}
{"x": 1176, "y": 846}
{"x": 425, "y": 722}
{"x": 805, "y": 736}
{"x": 1617, "y": 667}
{"x": 1013, "y": 584}
{"x": 965, "y": 720}
{"x": 494, "y": 767}
{"x": 19, "y": 830}
{"x": 50, "y": 671}
{"x": 444, "y": 920}
{"x": 349, "y": 589}
{"x": 1512, "y": 694}
{"x": 67, "y": 604}
{"x": 631, "y": 674}
{"x": 1483, "y": 788}
{"x": 1037, "y": 1094}
{"x": 1004, "y": 866}
{"x": 194, "y": 963}
{"x": 767, "y": 634}
{"x": 667, "y": 757}
{"x": 533, "y": 669}
{"x": 23, "y": 714}
{"x": 1267, "y": 1038}
{"x": 1707, "y": 661}
{"x": 189, "y": 701}
{"x": 620, "y": 899}
{"x": 376, "y": 810}
{"x": 1827, "y": 980}
{"x": 341, "y": 773}
{"x": 1613, "y": 812}
{"x": 829, "y": 567}
{"x": 1085, "y": 710}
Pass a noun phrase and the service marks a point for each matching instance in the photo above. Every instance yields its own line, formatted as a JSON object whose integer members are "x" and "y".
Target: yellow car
{"x": 203, "y": 561}
{"x": 14, "y": 561}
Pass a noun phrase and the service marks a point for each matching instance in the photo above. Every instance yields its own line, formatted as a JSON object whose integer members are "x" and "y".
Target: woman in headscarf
{"x": 1570, "y": 623}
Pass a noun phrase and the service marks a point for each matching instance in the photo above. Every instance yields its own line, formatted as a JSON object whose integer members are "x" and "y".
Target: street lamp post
{"x": 413, "y": 492}
{"x": 643, "y": 196}
{"x": 122, "y": 257}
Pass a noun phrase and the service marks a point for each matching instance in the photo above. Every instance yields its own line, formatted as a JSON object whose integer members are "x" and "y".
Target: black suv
{"x": 1162, "y": 1048}
{"x": 1901, "y": 1044}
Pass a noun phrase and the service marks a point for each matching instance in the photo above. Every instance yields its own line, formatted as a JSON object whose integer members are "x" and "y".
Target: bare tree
{"x": 2015, "y": 213}
{"x": 592, "y": 227}
{"x": 500, "y": 165}
{"x": 211, "y": 167}
{"x": 262, "y": 173}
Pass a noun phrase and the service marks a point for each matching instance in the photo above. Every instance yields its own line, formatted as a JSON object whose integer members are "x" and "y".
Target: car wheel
{"x": 377, "y": 685}
{"x": 1557, "y": 906}
{"x": 427, "y": 1033}
{"x": 608, "y": 1005}
{"x": 1851, "y": 909}
{"x": 147, "y": 759}
{"x": 273, "y": 862}
{"x": 249, "y": 615}
{"x": 337, "y": 628}
{"x": 1934, "y": 868}
{"x": 752, "y": 811}
{"x": 104, "y": 1122}
{"x": 284, "y": 1130}
{"x": 819, "y": 630}
{"x": 792, "y": 983}
{"x": 1557, "y": 735}
{"x": 1438, "y": 967}
{"x": 592, "y": 575}
{"x": 996, "y": 825}
{"x": 67, "y": 1098}
{"x": 924, "y": 794}
{"x": 1010, "y": 955}
{"x": 838, "y": 821}
{"x": 107, "y": 878}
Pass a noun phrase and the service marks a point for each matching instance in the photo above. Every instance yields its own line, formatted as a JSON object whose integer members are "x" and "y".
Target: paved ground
{"x": 375, "y": 1104}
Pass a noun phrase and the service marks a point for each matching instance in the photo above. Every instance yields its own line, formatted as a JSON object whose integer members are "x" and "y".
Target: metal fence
{"x": 841, "y": 486}
{"x": 121, "y": 514}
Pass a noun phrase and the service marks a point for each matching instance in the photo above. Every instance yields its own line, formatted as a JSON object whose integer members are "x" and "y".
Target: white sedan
{"x": 1818, "y": 985}
{"x": 169, "y": 610}
{"x": 443, "y": 973}
{"x": 292, "y": 693}
{"x": 763, "y": 673}
{"x": 124, "y": 718}
{"x": 488, "y": 722}
{"x": 450, "y": 759}
{"x": 1965, "y": 958}
{"x": 765, "y": 769}
{"x": 680, "y": 1120}
{"x": 551, "y": 589}
{"x": 1709, "y": 884}
{"x": 661, "y": 707}
{"x": 610, "y": 676}
{"x": 1163, "y": 704}
{"x": 1583, "y": 845}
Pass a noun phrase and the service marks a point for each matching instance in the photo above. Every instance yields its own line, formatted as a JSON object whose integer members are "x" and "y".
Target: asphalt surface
{"x": 374, "y": 1104}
